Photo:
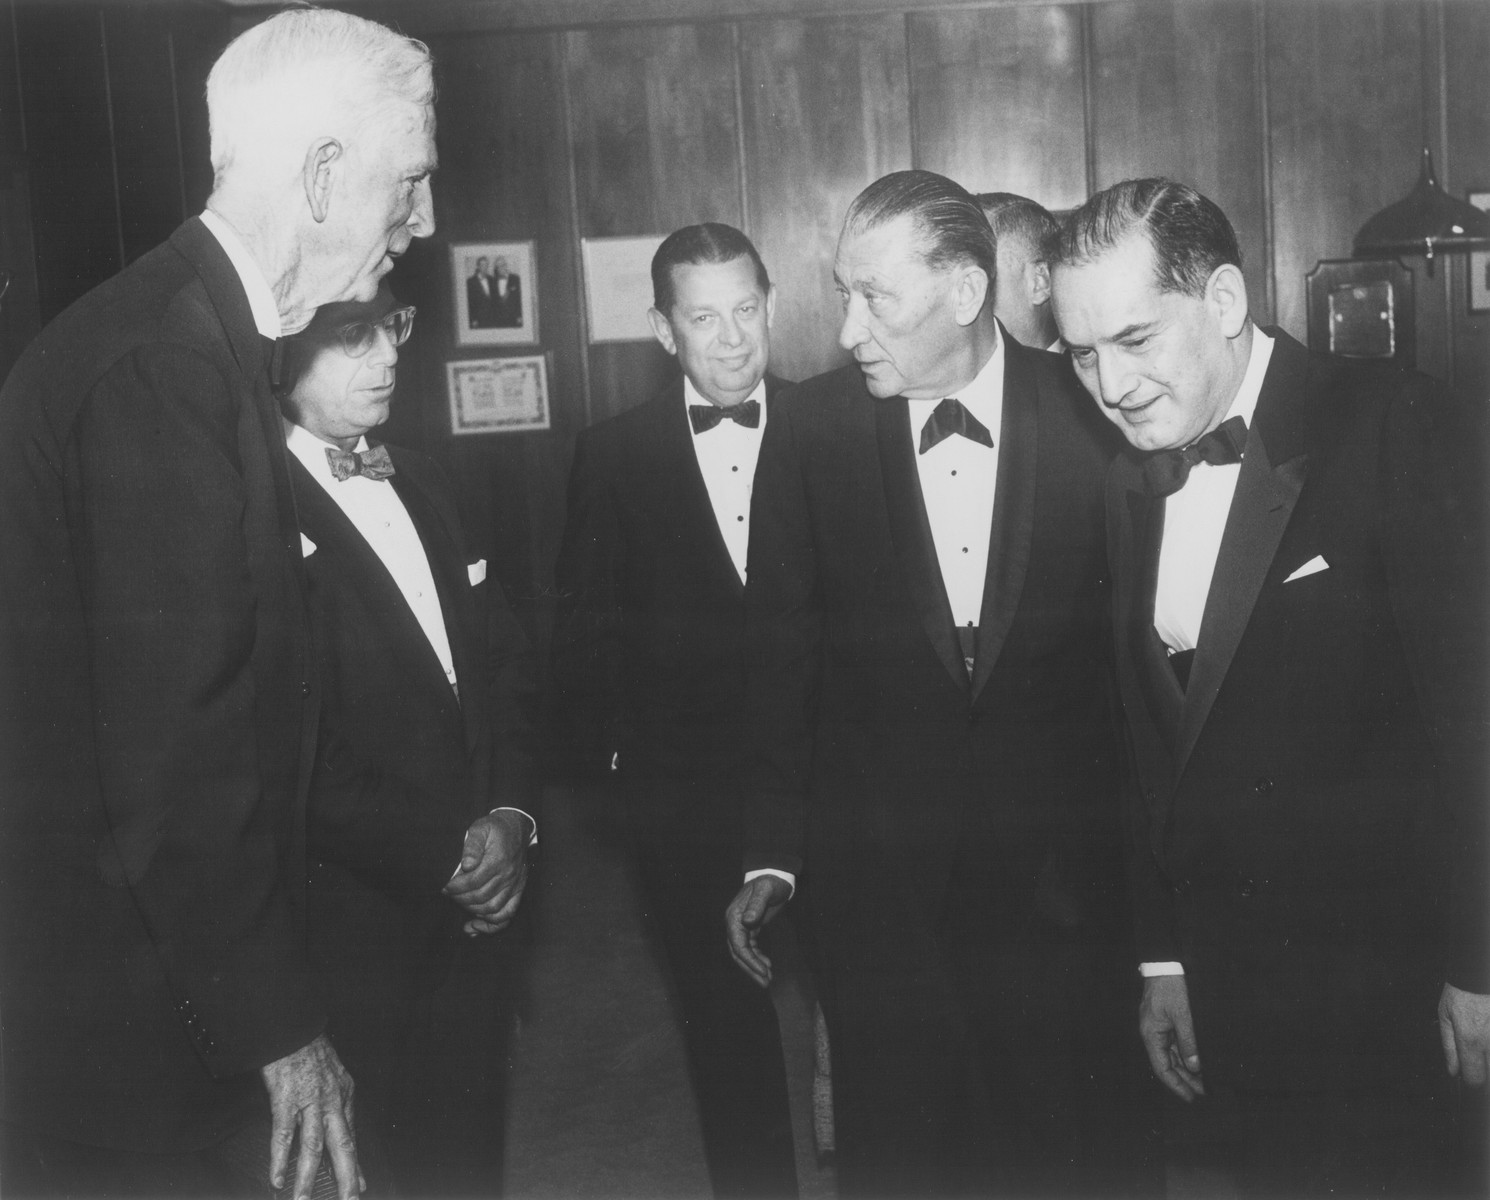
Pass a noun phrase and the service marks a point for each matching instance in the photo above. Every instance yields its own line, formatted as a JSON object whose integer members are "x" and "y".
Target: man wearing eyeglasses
{"x": 424, "y": 781}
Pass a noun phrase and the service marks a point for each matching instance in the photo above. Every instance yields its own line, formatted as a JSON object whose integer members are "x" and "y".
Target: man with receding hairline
{"x": 931, "y": 747}
{"x": 648, "y": 656}
{"x": 1298, "y": 553}
{"x": 159, "y": 700}
{"x": 1021, "y": 294}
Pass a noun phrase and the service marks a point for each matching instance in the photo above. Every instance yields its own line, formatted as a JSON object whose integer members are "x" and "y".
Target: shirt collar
{"x": 983, "y": 397}
{"x": 691, "y": 395}
{"x": 1245, "y": 402}
{"x": 260, "y": 298}
{"x": 311, "y": 450}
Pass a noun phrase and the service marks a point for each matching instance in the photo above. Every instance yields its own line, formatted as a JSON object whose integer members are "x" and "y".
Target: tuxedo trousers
{"x": 686, "y": 836}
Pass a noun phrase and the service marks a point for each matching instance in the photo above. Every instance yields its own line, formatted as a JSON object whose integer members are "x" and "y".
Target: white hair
{"x": 302, "y": 75}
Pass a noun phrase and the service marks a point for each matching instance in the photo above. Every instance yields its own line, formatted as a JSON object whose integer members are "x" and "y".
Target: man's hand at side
{"x": 493, "y": 870}
{"x": 752, "y": 909}
{"x": 1169, "y": 1035}
{"x": 1464, "y": 1029}
{"x": 311, "y": 1091}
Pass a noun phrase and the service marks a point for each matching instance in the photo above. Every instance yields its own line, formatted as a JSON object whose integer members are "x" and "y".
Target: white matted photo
{"x": 498, "y": 395}
{"x": 618, "y": 286}
{"x": 495, "y": 287}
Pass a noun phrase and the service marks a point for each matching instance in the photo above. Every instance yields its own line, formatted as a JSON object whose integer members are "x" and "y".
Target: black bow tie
{"x": 950, "y": 417}
{"x": 273, "y": 359}
{"x": 703, "y": 417}
{"x": 1165, "y": 473}
{"x": 373, "y": 462}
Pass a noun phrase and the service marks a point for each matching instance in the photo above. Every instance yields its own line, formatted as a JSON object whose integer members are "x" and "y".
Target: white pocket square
{"x": 307, "y": 547}
{"x": 477, "y": 571}
{"x": 1315, "y": 564}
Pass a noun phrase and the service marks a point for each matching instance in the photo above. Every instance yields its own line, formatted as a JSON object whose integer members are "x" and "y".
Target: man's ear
{"x": 971, "y": 290}
{"x": 663, "y": 329}
{"x": 770, "y": 305}
{"x": 319, "y": 175}
{"x": 1226, "y": 297}
{"x": 1037, "y": 281}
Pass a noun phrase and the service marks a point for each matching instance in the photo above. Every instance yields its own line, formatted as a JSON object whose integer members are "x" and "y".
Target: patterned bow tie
{"x": 1165, "y": 473}
{"x": 373, "y": 462}
{"x": 703, "y": 417}
{"x": 951, "y": 417}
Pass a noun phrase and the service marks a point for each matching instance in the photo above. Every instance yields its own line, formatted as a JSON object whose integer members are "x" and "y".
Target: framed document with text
{"x": 498, "y": 395}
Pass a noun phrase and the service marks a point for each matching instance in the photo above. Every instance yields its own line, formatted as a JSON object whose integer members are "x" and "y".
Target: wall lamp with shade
{"x": 1427, "y": 221}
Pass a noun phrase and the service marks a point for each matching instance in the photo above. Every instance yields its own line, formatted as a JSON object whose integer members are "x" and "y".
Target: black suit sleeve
{"x": 514, "y": 701}
{"x": 587, "y": 644}
{"x": 172, "y": 637}
{"x": 1434, "y": 487}
{"x": 783, "y": 636}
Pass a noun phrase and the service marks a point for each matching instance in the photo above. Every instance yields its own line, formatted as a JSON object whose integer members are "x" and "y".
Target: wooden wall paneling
{"x": 18, "y": 312}
{"x": 655, "y": 137}
{"x": 142, "y": 103}
{"x": 502, "y": 177}
{"x": 1176, "y": 93}
{"x": 197, "y": 36}
{"x": 1346, "y": 119}
{"x": 996, "y": 97}
{"x": 825, "y": 112}
{"x": 75, "y": 217}
{"x": 1466, "y": 167}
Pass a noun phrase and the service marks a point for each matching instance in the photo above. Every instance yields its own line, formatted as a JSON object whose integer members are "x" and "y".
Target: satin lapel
{"x": 447, "y": 563}
{"x": 1012, "y": 528}
{"x": 911, "y": 533}
{"x": 325, "y": 524}
{"x": 686, "y": 494}
{"x": 1162, "y": 693}
{"x": 1260, "y": 510}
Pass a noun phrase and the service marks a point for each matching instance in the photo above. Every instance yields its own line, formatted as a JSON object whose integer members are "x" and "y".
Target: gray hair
{"x": 950, "y": 227}
{"x": 305, "y": 74}
{"x": 1019, "y": 219}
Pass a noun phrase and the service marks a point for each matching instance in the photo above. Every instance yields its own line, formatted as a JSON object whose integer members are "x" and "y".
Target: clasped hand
{"x": 493, "y": 871}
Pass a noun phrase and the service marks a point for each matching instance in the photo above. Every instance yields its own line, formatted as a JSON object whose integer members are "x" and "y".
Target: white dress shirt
{"x": 1194, "y": 520}
{"x": 726, "y": 456}
{"x": 260, "y": 298}
{"x": 958, "y": 476}
{"x": 380, "y": 517}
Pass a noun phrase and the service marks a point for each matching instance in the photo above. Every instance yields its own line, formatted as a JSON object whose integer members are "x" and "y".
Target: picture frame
{"x": 618, "y": 287}
{"x": 495, "y": 290}
{"x": 498, "y": 395}
{"x": 1479, "y": 261}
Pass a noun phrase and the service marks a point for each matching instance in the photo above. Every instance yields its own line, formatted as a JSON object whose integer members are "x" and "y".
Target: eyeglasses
{"x": 361, "y": 336}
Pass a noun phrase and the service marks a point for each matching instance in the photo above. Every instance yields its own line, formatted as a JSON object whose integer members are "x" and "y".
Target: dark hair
{"x": 1189, "y": 234}
{"x": 710, "y": 242}
{"x": 949, "y": 224}
{"x": 1019, "y": 219}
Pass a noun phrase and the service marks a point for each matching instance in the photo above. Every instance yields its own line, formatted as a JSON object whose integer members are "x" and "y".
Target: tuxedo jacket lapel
{"x": 1272, "y": 475}
{"x": 1012, "y": 528}
{"x": 911, "y": 532}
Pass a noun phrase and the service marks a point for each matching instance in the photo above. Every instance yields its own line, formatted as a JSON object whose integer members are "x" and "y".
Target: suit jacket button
{"x": 1262, "y": 786}
{"x": 1246, "y": 889}
{"x": 305, "y": 689}
{"x": 1150, "y": 795}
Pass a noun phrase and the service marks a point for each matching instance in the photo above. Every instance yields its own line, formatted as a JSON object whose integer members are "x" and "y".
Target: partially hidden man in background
{"x": 1300, "y": 615}
{"x": 932, "y": 741}
{"x": 1021, "y": 298}
{"x": 159, "y": 706}
{"x": 425, "y": 783}
{"x": 648, "y": 655}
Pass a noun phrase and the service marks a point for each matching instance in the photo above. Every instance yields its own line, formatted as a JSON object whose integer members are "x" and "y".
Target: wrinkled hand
{"x": 493, "y": 871}
{"x": 311, "y": 1091}
{"x": 1169, "y": 1035}
{"x": 753, "y": 908}
{"x": 1464, "y": 1030}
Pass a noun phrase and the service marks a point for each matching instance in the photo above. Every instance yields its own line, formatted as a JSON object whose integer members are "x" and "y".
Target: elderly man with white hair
{"x": 158, "y": 701}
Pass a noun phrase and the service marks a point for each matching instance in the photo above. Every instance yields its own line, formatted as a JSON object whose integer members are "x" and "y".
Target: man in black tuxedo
{"x": 932, "y": 746}
{"x": 480, "y": 298}
{"x": 647, "y": 656}
{"x": 420, "y": 806}
{"x": 1300, "y": 616}
{"x": 157, "y": 717}
{"x": 507, "y": 297}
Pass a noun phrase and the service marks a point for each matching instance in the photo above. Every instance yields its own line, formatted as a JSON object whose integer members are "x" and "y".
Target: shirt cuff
{"x": 787, "y": 875}
{"x": 1150, "y": 970}
{"x": 533, "y": 834}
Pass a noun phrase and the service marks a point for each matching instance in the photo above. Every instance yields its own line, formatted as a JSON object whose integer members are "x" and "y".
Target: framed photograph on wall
{"x": 1479, "y": 263}
{"x": 498, "y": 395}
{"x": 495, "y": 285}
